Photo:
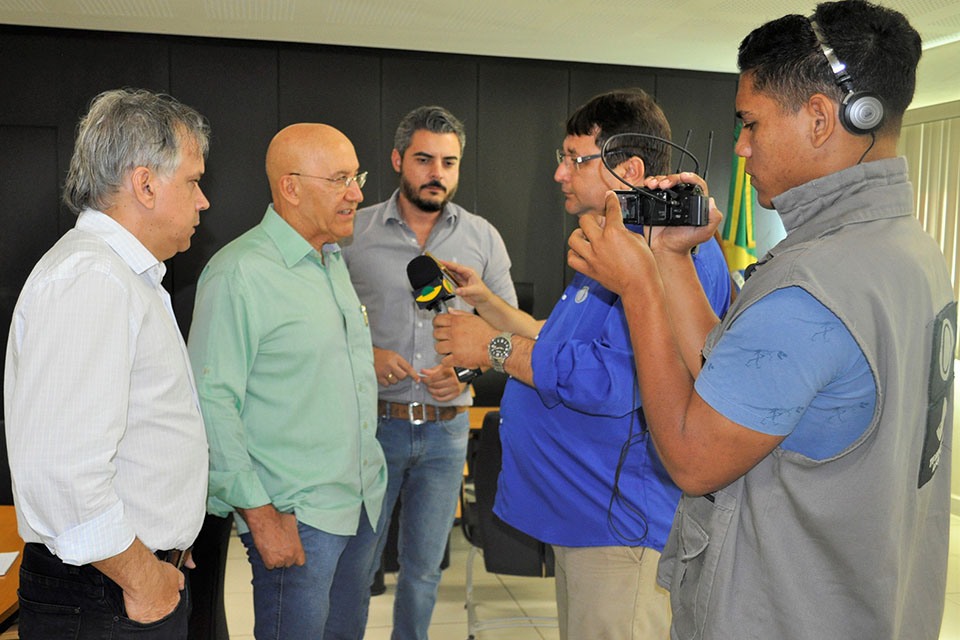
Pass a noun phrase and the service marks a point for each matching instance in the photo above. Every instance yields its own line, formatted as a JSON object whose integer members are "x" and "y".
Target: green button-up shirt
{"x": 283, "y": 361}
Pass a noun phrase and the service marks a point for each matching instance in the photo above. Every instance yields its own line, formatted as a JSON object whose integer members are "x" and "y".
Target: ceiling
{"x": 683, "y": 34}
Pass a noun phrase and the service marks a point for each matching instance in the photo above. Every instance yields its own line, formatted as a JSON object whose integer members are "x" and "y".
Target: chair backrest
{"x": 488, "y": 388}
{"x": 506, "y": 550}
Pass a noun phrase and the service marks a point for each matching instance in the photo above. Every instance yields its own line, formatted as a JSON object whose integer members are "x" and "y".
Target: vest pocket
{"x": 695, "y": 542}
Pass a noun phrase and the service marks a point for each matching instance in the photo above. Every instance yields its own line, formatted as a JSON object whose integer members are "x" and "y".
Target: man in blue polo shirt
{"x": 579, "y": 470}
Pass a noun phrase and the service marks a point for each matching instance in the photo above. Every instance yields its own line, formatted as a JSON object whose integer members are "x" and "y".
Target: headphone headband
{"x": 861, "y": 112}
{"x": 839, "y": 68}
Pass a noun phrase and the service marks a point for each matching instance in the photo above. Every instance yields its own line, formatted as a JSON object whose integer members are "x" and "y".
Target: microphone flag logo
{"x": 431, "y": 291}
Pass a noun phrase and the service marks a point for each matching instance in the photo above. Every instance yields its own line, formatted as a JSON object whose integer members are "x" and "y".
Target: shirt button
{"x": 419, "y": 324}
{"x": 417, "y": 356}
{"x": 563, "y": 297}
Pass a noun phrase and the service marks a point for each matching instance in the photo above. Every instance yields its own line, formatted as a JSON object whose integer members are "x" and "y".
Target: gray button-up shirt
{"x": 377, "y": 256}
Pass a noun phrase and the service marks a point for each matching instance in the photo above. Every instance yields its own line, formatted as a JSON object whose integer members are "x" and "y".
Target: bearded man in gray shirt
{"x": 423, "y": 421}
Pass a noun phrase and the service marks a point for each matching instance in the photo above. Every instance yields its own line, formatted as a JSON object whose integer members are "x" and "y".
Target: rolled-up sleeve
{"x": 596, "y": 377}
{"x": 70, "y": 407}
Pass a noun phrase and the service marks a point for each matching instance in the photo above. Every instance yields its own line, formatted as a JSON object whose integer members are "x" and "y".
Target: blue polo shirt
{"x": 562, "y": 440}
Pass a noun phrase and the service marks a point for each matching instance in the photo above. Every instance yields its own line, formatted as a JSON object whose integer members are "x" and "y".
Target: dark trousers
{"x": 67, "y": 602}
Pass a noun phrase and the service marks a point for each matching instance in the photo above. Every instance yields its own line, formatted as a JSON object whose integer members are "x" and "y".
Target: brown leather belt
{"x": 176, "y": 557}
{"x": 416, "y": 412}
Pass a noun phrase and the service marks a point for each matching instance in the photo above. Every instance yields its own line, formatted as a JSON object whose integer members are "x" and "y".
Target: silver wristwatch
{"x": 500, "y": 349}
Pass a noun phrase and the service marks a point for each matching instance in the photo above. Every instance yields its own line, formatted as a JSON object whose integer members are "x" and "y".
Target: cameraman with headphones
{"x": 813, "y": 443}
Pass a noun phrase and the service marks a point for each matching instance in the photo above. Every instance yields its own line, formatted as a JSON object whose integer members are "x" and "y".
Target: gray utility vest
{"x": 854, "y": 546}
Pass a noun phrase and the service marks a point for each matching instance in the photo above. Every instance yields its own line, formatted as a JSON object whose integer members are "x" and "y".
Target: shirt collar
{"x": 392, "y": 211}
{"x": 799, "y": 205}
{"x": 124, "y": 244}
{"x": 293, "y": 247}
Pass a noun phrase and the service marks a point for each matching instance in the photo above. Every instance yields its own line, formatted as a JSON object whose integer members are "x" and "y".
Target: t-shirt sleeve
{"x": 774, "y": 359}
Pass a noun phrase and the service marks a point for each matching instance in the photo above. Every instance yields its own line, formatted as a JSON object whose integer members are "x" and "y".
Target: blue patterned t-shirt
{"x": 788, "y": 366}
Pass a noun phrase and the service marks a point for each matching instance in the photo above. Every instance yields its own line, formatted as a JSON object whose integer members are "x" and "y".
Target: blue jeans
{"x": 425, "y": 468}
{"x": 68, "y": 602}
{"x": 295, "y": 603}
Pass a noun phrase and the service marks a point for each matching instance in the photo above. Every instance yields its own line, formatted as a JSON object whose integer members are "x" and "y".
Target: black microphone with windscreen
{"x": 431, "y": 290}
{"x": 430, "y": 287}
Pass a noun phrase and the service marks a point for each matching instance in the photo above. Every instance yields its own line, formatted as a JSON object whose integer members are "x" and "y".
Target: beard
{"x": 412, "y": 194}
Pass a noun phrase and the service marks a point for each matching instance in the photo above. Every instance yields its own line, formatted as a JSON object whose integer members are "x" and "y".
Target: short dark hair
{"x": 625, "y": 111}
{"x": 430, "y": 118}
{"x": 879, "y": 47}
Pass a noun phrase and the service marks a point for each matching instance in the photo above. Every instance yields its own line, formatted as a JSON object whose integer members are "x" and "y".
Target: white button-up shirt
{"x": 104, "y": 432}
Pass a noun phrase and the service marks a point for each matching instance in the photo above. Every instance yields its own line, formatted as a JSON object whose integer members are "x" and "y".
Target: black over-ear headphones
{"x": 861, "y": 112}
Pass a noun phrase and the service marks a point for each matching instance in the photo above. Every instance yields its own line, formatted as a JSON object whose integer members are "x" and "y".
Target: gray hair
{"x": 432, "y": 118}
{"x": 125, "y": 129}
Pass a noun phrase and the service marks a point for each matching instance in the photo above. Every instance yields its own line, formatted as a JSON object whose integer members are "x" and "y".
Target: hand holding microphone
{"x": 470, "y": 286}
{"x": 432, "y": 287}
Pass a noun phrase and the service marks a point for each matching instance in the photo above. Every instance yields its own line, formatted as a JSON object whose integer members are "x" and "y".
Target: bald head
{"x": 306, "y": 165}
{"x": 306, "y": 148}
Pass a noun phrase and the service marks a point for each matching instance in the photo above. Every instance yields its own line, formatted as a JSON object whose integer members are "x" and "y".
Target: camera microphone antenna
{"x": 706, "y": 167}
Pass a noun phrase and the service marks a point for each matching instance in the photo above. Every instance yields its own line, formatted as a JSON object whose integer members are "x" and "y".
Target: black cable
{"x": 873, "y": 140}
{"x": 615, "y": 494}
{"x": 606, "y": 151}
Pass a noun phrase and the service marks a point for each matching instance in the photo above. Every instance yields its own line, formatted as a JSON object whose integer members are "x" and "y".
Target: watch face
{"x": 499, "y": 347}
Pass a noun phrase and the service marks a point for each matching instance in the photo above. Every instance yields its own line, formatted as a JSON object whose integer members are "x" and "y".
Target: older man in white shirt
{"x": 106, "y": 442}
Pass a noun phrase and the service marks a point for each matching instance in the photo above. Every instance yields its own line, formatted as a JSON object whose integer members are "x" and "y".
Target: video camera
{"x": 682, "y": 205}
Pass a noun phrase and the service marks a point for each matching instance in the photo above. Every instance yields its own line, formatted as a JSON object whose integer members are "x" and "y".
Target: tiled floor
{"x": 499, "y": 596}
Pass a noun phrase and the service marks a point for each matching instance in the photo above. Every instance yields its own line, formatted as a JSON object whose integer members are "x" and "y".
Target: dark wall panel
{"x": 702, "y": 102}
{"x": 339, "y": 89}
{"x": 587, "y": 81}
{"x": 517, "y": 193}
{"x": 29, "y": 60}
{"x": 28, "y": 187}
{"x": 411, "y": 80}
{"x": 93, "y": 62}
{"x": 235, "y": 87}
{"x": 514, "y": 111}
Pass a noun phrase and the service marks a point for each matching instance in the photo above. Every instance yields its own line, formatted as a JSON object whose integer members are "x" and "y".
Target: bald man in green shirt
{"x": 283, "y": 360}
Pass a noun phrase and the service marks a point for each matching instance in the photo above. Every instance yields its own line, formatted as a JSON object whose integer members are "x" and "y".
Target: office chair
{"x": 505, "y": 550}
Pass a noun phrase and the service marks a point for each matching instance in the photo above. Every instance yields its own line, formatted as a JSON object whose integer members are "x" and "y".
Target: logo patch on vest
{"x": 940, "y": 390}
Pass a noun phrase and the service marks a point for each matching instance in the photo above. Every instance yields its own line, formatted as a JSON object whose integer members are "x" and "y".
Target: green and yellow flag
{"x": 739, "y": 246}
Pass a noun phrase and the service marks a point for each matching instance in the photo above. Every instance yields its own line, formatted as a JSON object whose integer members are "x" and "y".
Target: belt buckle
{"x": 423, "y": 412}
